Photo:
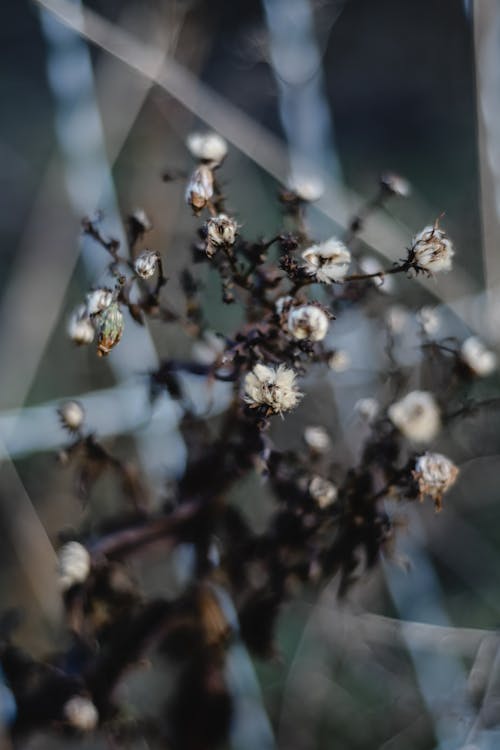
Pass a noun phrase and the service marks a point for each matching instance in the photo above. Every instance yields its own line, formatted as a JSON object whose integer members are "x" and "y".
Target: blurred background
{"x": 340, "y": 90}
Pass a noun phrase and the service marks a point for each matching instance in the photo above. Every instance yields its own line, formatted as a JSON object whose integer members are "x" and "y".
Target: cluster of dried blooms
{"x": 326, "y": 518}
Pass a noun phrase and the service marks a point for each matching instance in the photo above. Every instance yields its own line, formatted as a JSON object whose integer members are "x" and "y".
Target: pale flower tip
{"x": 317, "y": 439}
{"x": 395, "y": 184}
{"x": 73, "y": 564}
{"x": 307, "y": 188}
{"x": 207, "y": 146}
{"x": 200, "y": 188}
{"x": 80, "y": 328}
{"x": 327, "y": 261}
{"x": 367, "y": 409}
{"x": 81, "y": 713}
{"x": 322, "y": 491}
{"x": 434, "y": 474}
{"x": 339, "y": 360}
{"x": 477, "y": 357}
{"x": 416, "y": 416}
{"x": 308, "y": 322}
{"x": 429, "y": 320}
{"x": 432, "y": 250}
{"x": 72, "y": 415}
{"x": 146, "y": 264}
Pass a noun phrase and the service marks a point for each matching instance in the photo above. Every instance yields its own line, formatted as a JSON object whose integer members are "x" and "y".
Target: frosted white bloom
{"x": 396, "y": 184}
{"x": 370, "y": 265}
{"x": 72, "y": 415}
{"x": 221, "y": 232}
{"x": 74, "y": 564}
{"x": 339, "y": 360}
{"x": 429, "y": 319}
{"x": 209, "y": 348}
{"x": 307, "y": 188}
{"x": 317, "y": 438}
{"x": 367, "y": 408}
{"x": 435, "y": 475}
{"x": 140, "y": 217}
{"x": 80, "y": 328}
{"x": 416, "y": 416}
{"x": 283, "y": 304}
{"x": 396, "y": 318}
{"x": 327, "y": 261}
{"x": 200, "y": 187}
{"x": 323, "y": 491}
{"x": 433, "y": 250}
{"x": 272, "y": 387}
{"x": 208, "y": 146}
{"x": 146, "y": 263}
{"x": 81, "y": 713}
{"x": 308, "y": 322}
{"x": 477, "y": 357}
{"x": 98, "y": 300}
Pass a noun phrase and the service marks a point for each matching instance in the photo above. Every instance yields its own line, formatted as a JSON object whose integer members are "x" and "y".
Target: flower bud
{"x": 307, "y": 188}
{"x": 396, "y": 318}
{"x": 272, "y": 388}
{"x": 200, "y": 188}
{"x": 339, "y": 360}
{"x": 480, "y": 360}
{"x": 74, "y": 564}
{"x": 146, "y": 263}
{"x": 72, "y": 415}
{"x": 221, "y": 232}
{"x": 110, "y": 326}
{"x": 81, "y": 713}
{"x": 308, "y": 322}
{"x": 317, "y": 439}
{"x": 98, "y": 300}
{"x": 432, "y": 250}
{"x": 435, "y": 474}
{"x": 416, "y": 416}
{"x": 210, "y": 147}
{"x": 322, "y": 491}
{"x": 395, "y": 184}
{"x": 80, "y": 328}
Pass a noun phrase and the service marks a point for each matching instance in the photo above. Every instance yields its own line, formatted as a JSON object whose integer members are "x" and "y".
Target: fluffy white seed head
{"x": 81, "y": 713}
{"x": 339, "y": 360}
{"x": 435, "y": 474}
{"x": 72, "y": 415}
{"x": 433, "y": 250}
{"x": 480, "y": 360}
{"x": 272, "y": 387}
{"x": 308, "y": 322}
{"x": 327, "y": 261}
{"x": 429, "y": 320}
{"x": 208, "y": 146}
{"x": 367, "y": 408}
{"x": 146, "y": 263}
{"x": 221, "y": 231}
{"x": 308, "y": 188}
{"x": 317, "y": 438}
{"x": 200, "y": 188}
{"x": 98, "y": 300}
{"x": 80, "y": 328}
{"x": 74, "y": 564}
{"x": 322, "y": 491}
{"x": 416, "y": 416}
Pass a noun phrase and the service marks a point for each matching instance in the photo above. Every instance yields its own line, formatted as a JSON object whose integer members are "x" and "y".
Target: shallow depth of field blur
{"x": 355, "y": 87}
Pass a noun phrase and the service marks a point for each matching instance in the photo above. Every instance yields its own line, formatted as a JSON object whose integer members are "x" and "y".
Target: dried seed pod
{"x": 209, "y": 146}
{"x": 72, "y": 415}
{"x": 432, "y": 250}
{"x": 435, "y": 475}
{"x": 110, "y": 325}
{"x": 308, "y": 322}
{"x": 146, "y": 264}
{"x": 416, "y": 416}
{"x": 200, "y": 188}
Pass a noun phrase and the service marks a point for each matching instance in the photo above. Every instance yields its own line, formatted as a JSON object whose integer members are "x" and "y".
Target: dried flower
{"x": 435, "y": 475}
{"x": 322, "y": 491}
{"x": 74, "y": 564}
{"x": 429, "y": 320}
{"x": 72, "y": 415}
{"x": 432, "y": 250}
{"x": 396, "y": 318}
{"x": 80, "y": 328}
{"x": 416, "y": 416}
{"x": 220, "y": 232}
{"x": 370, "y": 265}
{"x": 98, "y": 300}
{"x": 395, "y": 184}
{"x": 339, "y": 360}
{"x": 367, "y": 409}
{"x": 272, "y": 387}
{"x": 110, "y": 325}
{"x": 480, "y": 360}
{"x": 307, "y": 188}
{"x": 146, "y": 263}
{"x": 200, "y": 188}
{"x": 327, "y": 261}
{"x": 317, "y": 439}
{"x": 308, "y": 322}
{"x": 209, "y": 146}
{"x": 81, "y": 713}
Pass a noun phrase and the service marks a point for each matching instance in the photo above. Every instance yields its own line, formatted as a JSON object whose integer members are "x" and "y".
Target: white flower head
{"x": 396, "y": 318}
{"x": 435, "y": 474}
{"x": 200, "y": 188}
{"x": 370, "y": 265}
{"x": 317, "y": 438}
{"x": 81, "y": 713}
{"x": 432, "y": 249}
{"x": 395, "y": 184}
{"x": 80, "y": 328}
{"x": 308, "y": 322}
{"x": 221, "y": 231}
{"x": 146, "y": 263}
{"x": 141, "y": 219}
{"x": 339, "y": 360}
{"x": 272, "y": 387}
{"x": 308, "y": 188}
{"x": 73, "y": 564}
{"x": 416, "y": 416}
{"x": 367, "y": 408}
{"x": 98, "y": 300}
{"x": 327, "y": 261}
{"x": 72, "y": 415}
{"x": 208, "y": 146}
{"x": 322, "y": 491}
{"x": 429, "y": 320}
{"x": 480, "y": 360}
